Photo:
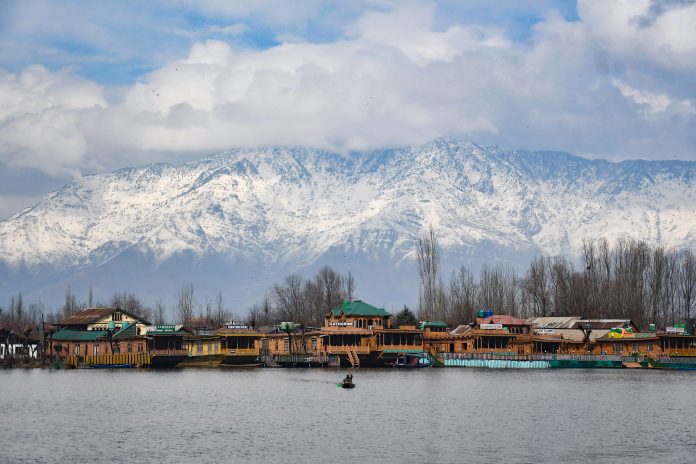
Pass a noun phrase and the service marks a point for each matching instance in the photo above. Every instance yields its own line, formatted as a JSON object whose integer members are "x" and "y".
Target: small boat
{"x": 347, "y": 382}
{"x": 409, "y": 360}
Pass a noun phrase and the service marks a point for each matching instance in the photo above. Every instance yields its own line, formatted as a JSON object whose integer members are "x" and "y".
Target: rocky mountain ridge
{"x": 240, "y": 220}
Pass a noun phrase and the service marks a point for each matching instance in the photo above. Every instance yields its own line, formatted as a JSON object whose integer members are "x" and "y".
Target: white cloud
{"x": 230, "y": 30}
{"x": 630, "y": 31}
{"x": 614, "y": 83}
{"x": 41, "y": 119}
{"x": 654, "y": 103}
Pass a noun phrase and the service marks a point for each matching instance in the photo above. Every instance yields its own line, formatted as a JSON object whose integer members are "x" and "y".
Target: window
{"x": 117, "y": 316}
{"x": 77, "y": 349}
{"x": 130, "y": 347}
{"x": 96, "y": 350}
{"x": 314, "y": 344}
{"x": 287, "y": 345}
{"x": 199, "y": 346}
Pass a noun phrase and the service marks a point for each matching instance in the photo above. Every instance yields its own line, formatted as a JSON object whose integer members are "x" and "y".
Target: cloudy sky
{"x": 89, "y": 86}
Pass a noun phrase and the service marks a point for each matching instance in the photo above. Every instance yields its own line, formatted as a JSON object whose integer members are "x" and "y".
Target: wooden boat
{"x": 410, "y": 361}
{"x": 347, "y": 382}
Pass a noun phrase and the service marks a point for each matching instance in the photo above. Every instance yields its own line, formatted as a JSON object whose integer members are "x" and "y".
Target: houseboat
{"x": 360, "y": 334}
{"x": 114, "y": 337}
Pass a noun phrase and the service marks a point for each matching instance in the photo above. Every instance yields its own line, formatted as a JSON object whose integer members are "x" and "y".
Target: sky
{"x": 89, "y": 87}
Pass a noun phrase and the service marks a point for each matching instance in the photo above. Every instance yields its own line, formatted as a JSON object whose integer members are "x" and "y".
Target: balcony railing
{"x": 168, "y": 351}
{"x": 242, "y": 352}
{"x": 415, "y": 346}
{"x": 346, "y": 348}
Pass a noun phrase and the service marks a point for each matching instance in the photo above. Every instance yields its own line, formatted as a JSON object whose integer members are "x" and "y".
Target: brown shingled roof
{"x": 502, "y": 319}
{"x": 92, "y": 315}
{"x": 87, "y": 316}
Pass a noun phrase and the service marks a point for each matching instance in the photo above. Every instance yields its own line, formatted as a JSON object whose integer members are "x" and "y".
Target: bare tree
{"x": 19, "y": 311}
{"x": 350, "y": 286}
{"x": 159, "y": 312}
{"x": 131, "y": 303}
{"x": 330, "y": 285}
{"x": 462, "y": 295}
{"x": 70, "y": 306}
{"x": 492, "y": 288}
{"x": 428, "y": 254}
{"x": 184, "y": 304}
{"x": 289, "y": 300}
{"x": 209, "y": 311}
{"x": 537, "y": 286}
{"x": 686, "y": 283}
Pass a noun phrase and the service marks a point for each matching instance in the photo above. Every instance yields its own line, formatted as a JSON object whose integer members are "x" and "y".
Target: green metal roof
{"x": 126, "y": 330}
{"x": 358, "y": 308}
{"x": 433, "y": 324}
{"x": 79, "y": 335}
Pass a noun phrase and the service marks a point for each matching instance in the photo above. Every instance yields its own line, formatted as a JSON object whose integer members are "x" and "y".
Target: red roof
{"x": 501, "y": 319}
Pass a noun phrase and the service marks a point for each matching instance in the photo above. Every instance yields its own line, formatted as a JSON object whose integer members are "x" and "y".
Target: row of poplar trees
{"x": 629, "y": 280}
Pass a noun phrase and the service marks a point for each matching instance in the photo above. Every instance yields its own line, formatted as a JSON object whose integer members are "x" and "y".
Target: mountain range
{"x": 241, "y": 220}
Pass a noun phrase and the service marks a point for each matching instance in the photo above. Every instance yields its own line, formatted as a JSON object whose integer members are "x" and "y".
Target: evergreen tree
{"x": 405, "y": 317}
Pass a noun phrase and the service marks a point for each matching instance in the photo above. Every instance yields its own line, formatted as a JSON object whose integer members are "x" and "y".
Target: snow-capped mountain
{"x": 241, "y": 220}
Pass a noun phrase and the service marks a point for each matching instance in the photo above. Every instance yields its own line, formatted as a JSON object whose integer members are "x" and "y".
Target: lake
{"x": 392, "y": 416}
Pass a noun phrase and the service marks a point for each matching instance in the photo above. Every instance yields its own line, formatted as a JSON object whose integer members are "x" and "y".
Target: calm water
{"x": 288, "y": 416}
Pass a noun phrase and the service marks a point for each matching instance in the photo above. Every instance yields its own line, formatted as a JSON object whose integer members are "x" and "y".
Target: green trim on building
{"x": 358, "y": 308}
{"x": 127, "y": 330}
{"x": 79, "y": 335}
{"x": 404, "y": 351}
{"x": 433, "y": 325}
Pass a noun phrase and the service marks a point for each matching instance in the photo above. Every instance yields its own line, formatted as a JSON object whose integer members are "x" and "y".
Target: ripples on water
{"x": 392, "y": 416}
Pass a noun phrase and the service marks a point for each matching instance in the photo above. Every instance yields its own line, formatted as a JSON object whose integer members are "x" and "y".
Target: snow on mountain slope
{"x": 243, "y": 219}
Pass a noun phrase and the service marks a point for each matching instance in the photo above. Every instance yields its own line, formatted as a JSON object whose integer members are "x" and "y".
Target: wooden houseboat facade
{"x": 114, "y": 337}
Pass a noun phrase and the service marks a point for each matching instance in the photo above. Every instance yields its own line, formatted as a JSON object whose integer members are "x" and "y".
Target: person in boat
{"x": 348, "y": 379}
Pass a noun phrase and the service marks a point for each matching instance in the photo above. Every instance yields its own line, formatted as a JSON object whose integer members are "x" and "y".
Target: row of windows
{"x": 286, "y": 345}
{"x": 95, "y": 348}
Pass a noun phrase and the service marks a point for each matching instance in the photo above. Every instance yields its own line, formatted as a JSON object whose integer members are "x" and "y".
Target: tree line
{"x": 296, "y": 299}
{"x": 304, "y": 301}
{"x": 211, "y": 312}
{"x": 629, "y": 280}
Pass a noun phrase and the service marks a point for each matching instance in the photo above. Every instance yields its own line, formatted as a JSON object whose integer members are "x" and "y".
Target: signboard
{"x": 341, "y": 324}
{"x": 675, "y": 330}
{"x": 165, "y": 328}
{"x": 545, "y": 331}
{"x": 491, "y": 326}
{"x": 237, "y": 326}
